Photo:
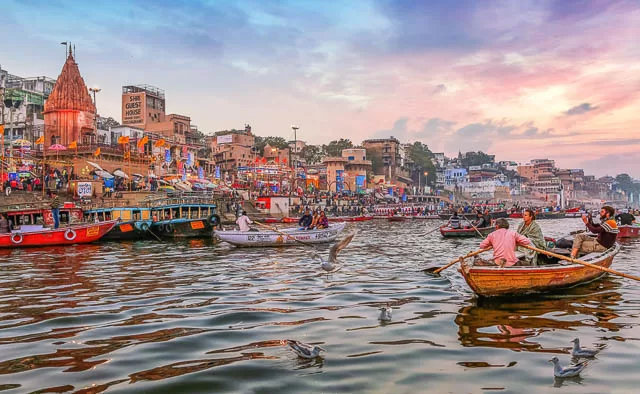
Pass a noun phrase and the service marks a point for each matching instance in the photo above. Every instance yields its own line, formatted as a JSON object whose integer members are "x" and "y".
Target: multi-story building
{"x": 348, "y": 172}
{"x": 22, "y": 105}
{"x": 231, "y": 149}
{"x": 439, "y": 159}
{"x": 454, "y": 176}
{"x": 390, "y": 152}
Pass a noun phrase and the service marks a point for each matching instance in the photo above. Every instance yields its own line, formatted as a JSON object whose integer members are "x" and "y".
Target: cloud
{"x": 614, "y": 164}
{"x": 581, "y": 109}
{"x": 442, "y": 88}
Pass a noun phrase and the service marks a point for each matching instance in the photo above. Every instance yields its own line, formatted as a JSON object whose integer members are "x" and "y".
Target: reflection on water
{"x": 199, "y": 316}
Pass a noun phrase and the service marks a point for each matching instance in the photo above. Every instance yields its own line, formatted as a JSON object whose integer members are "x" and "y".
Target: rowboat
{"x": 473, "y": 216}
{"x": 33, "y": 235}
{"x": 397, "y": 218}
{"x": 284, "y": 237}
{"x": 493, "y": 281}
{"x": 449, "y": 232}
{"x": 340, "y": 219}
{"x": 629, "y": 231}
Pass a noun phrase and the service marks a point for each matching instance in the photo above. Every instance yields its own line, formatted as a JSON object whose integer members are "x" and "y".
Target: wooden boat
{"x": 272, "y": 220}
{"x": 474, "y": 216}
{"x": 350, "y": 218}
{"x": 273, "y": 238}
{"x": 449, "y": 232}
{"x": 289, "y": 220}
{"x": 493, "y": 281}
{"x": 44, "y": 236}
{"x": 134, "y": 222}
{"x": 184, "y": 220}
{"x": 69, "y": 214}
{"x": 629, "y": 231}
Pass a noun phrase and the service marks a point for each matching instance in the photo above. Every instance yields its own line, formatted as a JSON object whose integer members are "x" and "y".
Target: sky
{"x": 518, "y": 79}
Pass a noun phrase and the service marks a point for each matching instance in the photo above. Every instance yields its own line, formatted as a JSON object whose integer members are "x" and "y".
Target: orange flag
{"x": 97, "y": 152}
{"x": 40, "y": 140}
{"x": 143, "y": 141}
{"x": 73, "y": 145}
{"x": 127, "y": 155}
{"x": 123, "y": 140}
{"x": 159, "y": 143}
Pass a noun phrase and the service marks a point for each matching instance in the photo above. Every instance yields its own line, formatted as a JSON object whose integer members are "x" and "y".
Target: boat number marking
{"x": 93, "y": 231}
{"x": 197, "y": 225}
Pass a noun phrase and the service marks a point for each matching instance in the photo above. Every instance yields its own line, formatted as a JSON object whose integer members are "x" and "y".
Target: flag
{"x": 143, "y": 141}
{"x": 277, "y": 160}
{"x": 284, "y": 160}
{"x": 40, "y": 140}
{"x": 257, "y": 160}
{"x": 264, "y": 160}
{"x": 1, "y": 129}
{"x": 73, "y": 145}
{"x": 127, "y": 155}
{"x": 123, "y": 140}
{"x": 159, "y": 143}
{"x": 97, "y": 152}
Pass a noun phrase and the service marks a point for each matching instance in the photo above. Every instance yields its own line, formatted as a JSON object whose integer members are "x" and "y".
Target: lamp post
{"x": 293, "y": 166}
{"x": 95, "y": 104}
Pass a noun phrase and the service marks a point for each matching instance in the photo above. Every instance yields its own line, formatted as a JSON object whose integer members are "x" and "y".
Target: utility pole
{"x": 95, "y": 104}
{"x": 293, "y": 167}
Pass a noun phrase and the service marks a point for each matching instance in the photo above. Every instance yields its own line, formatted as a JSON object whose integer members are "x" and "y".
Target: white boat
{"x": 282, "y": 237}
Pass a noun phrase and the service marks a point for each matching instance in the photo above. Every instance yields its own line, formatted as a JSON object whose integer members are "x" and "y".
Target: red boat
{"x": 272, "y": 220}
{"x": 288, "y": 219}
{"x": 516, "y": 215}
{"x": 397, "y": 218}
{"x": 69, "y": 213}
{"x": 449, "y": 232}
{"x": 629, "y": 231}
{"x": 78, "y": 234}
{"x": 350, "y": 218}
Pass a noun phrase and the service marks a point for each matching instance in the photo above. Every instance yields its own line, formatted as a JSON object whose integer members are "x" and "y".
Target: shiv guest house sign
{"x": 133, "y": 108}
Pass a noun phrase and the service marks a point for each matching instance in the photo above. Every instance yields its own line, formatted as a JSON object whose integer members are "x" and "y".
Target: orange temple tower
{"x": 69, "y": 112}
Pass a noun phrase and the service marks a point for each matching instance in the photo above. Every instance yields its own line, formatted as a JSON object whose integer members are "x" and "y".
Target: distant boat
{"x": 629, "y": 231}
{"x": 449, "y": 232}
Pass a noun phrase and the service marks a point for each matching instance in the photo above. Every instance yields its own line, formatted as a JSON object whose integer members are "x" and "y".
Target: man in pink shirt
{"x": 504, "y": 244}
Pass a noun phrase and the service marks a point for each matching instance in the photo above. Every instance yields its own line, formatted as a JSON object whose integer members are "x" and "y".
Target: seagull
{"x": 333, "y": 254}
{"x": 385, "y": 313}
{"x": 578, "y": 352}
{"x": 567, "y": 372}
{"x": 304, "y": 350}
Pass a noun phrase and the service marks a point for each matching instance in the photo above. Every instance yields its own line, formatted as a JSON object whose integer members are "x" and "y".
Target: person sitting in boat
{"x": 323, "y": 221}
{"x": 607, "y": 231}
{"x": 5, "y": 224}
{"x": 314, "y": 220}
{"x": 625, "y": 218}
{"x": 454, "y": 221}
{"x": 530, "y": 229}
{"x": 481, "y": 221}
{"x": 306, "y": 220}
{"x": 504, "y": 242}
{"x": 243, "y": 222}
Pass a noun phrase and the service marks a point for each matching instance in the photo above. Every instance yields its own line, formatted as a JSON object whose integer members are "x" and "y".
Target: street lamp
{"x": 95, "y": 104}
{"x": 293, "y": 166}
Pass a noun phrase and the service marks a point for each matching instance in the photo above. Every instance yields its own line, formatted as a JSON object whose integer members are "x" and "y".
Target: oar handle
{"x": 576, "y": 261}
{"x": 471, "y": 254}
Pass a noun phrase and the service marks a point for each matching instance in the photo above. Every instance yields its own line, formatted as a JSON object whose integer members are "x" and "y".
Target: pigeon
{"x": 578, "y": 352}
{"x": 567, "y": 372}
{"x": 385, "y": 313}
{"x": 333, "y": 254}
{"x": 304, "y": 350}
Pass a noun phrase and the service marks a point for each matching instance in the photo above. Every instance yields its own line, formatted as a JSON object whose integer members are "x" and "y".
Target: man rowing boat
{"x": 504, "y": 242}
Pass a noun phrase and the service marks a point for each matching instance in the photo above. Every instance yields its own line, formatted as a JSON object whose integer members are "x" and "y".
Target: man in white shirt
{"x": 243, "y": 222}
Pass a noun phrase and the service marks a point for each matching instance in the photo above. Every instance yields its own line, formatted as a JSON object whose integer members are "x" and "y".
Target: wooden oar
{"x": 576, "y": 261}
{"x": 432, "y": 230}
{"x": 436, "y": 270}
{"x": 285, "y": 234}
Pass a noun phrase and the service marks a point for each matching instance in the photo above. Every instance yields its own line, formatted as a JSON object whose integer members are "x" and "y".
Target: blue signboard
{"x": 200, "y": 173}
{"x": 167, "y": 155}
{"x": 218, "y": 172}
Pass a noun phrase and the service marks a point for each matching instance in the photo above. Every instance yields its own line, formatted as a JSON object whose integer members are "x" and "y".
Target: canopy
{"x": 138, "y": 175}
{"x": 121, "y": 174}
{"x": 94, "y": 165}
{"x": 22, "y": 143}
{"x": 57, "y": 147}
{"x": 104, "y": 174}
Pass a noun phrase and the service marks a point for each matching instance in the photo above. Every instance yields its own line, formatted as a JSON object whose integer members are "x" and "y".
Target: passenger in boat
{"x": 530, "y": 229}
{"x": 481, "y": 221}
{"x": 323, "y": 221}
{"x": 504, "y": 242}
{"x": 607, "y": 231}
{"x": 306, "y": 220}
{"x": 314, "y": 221}
{"x": 454, "y": 221}
{"x": 243, "y": 222}
{"x": 625, "y": 218}
{"x": 5, "y": 225}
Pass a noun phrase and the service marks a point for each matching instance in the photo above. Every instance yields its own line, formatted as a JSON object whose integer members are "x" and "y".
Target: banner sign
{"x": 85, "y": 189}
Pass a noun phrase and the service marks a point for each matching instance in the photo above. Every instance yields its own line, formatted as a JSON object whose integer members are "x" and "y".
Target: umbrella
{"x": 57, "y": 148}
{"x": 104, "y": 174}
{"x": 138, "y": 175}
{"x": 94, "y": 165}
{"x": 120, "y": 174}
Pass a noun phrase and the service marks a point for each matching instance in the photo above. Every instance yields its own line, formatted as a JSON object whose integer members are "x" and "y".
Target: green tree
{"x": 275, "y": 142}
{"x": 422, "y": 159}
{"x": 626, "y": 184}
{"x": 311, "y": 154}
{"x": 334, "y": 148}
{"x": 478, "y": 158}
{"x": 377, "y": 166}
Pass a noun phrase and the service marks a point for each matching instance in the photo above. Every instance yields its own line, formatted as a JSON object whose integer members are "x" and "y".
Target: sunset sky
{"x": 518, "y": 79}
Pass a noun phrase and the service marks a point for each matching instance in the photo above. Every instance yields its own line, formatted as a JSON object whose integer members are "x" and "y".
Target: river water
{"x": 200, "y": 317}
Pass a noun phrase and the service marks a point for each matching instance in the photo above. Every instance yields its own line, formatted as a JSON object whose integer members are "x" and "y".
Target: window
{"x": 351, "y": 158}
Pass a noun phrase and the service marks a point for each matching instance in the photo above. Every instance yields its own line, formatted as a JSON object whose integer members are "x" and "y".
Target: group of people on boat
{"x": 507, "y": 243}
{"x": 317, "y": 220}
{"x": 483, "y": 220}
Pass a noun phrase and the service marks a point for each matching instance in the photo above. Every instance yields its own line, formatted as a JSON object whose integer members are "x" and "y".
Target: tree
{"x": 377, "y": 166}
{"x": 274, "y": 142}
{"x": 105, "y": 123}
{"x": 422, "y": 159}
{"x": 478, "y": 158}
{"x": 311, "y": 154}
{"x": 626, "y": 184}
{"x": 334, "y": 148}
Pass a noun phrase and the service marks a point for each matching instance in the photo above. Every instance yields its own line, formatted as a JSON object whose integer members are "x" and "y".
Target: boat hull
{"x": 513, "y": 281}
{"x": 448, "y": 232}
{"x": 272, "y": 238}
{"x": 130, "y": 230}
{"x": 183, "y": 228}
{"x": 627, "y": 231}
{"x": 78, "y": 234}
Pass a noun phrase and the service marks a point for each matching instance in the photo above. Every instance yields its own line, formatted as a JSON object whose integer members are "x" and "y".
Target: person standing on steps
{"x": 55, "y": 210}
